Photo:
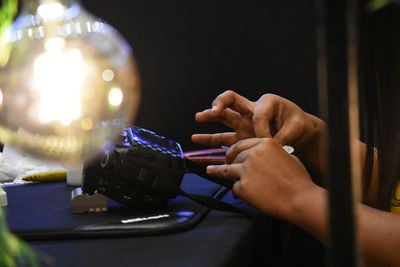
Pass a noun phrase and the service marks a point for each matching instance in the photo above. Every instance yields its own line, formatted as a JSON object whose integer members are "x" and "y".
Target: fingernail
{"x": 209, "y": 168}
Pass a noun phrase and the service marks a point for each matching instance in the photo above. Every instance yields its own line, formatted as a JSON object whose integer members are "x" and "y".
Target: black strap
{"x": 207, "y": 201}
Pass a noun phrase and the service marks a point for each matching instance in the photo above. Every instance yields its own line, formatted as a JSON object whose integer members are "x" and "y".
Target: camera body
{"x": 138, "y": 171}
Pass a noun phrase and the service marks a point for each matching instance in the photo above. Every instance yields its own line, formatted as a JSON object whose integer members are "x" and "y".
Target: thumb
{"x": 285, "y": 135}
{"x": 264, "y": 114}
{"x": 262, "y": 127}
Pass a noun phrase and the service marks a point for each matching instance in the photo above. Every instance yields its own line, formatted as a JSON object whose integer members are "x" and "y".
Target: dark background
{"x": 189, "y": 51}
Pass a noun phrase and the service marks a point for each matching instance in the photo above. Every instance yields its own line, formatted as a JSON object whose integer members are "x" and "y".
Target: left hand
{"x": 234, "y": 111}
{"x": 268, "y": 177}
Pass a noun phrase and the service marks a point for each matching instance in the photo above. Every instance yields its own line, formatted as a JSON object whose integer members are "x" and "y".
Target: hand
{"x": 270, "y": 116}
{"x": 233, "y": 111}
{"x": 268, "y": 177}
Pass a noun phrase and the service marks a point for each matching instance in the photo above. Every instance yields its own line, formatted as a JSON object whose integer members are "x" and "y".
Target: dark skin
{"x": 270, "y": 116}
{"x": 277, "y": 183}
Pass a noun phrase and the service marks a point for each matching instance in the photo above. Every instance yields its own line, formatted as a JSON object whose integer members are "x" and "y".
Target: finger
{"x": 236, "y": 189}
{"x": 240, "y": 146}
{"x": 228, "y": 171}
{"x": 264, "y": 113}
{"x": 203, "y": 116}
{"x": 289, "y": 131}
{"x": 213, "y": 140}
{"x": 230, "y": 118}
{"x": 240, "y": 158}
{"x": 230, "y": 99}
{"x": 284, "y": 135}
{"x": 296, "y": 158}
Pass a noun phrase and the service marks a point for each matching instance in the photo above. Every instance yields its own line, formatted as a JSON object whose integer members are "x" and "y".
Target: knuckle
{"x": 227, "y": 94}
{"x": 237, "y": 188}
{"x": 259, "y": 117}
{"x": 244, "y": 187}
{"x": 298, "y": 122}
{"x": 234, "y": 148}
{"x": 267, "y": 141}
{"x": 266, "y": 145}
{"x": 268, "y": 97}
{"x": 225, "y": 171}
{"x": 253, "y": 155}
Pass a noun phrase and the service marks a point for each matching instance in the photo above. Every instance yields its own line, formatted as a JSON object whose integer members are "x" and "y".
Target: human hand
{"x": 232, "y": 110}
{"x": 270, "y": 116}
{"x": 267, "y": 176}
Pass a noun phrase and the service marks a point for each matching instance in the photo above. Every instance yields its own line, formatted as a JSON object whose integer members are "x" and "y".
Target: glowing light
{"x": 108, "y": 75}
{"x": 58, "y": 77}
{"x": 51, "y": 11}
{"x": 86, "y": 124}
{"x": 67, "y": 84}
{"x": 54, "y": 44}
{"x": 115, "y": 96}
{"x": 65, "y": 121}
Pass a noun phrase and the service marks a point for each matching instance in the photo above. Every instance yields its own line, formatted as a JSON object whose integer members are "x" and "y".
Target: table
{"x": 220, "y": 239}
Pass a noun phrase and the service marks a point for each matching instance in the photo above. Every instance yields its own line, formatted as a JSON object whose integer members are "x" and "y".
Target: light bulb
{"x": 68, "y": 83}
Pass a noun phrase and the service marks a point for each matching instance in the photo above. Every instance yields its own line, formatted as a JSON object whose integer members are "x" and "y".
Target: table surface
{"x": 220, "y": 239}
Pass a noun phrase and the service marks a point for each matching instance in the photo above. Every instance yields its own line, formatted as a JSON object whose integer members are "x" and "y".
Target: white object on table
{"x": 74, "y": 174}
{"x": 3, "y": 198}
{"x": 15, "y": 164}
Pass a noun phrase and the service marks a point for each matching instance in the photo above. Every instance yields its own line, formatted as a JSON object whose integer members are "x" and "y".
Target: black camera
{"x": 139, "y": 171}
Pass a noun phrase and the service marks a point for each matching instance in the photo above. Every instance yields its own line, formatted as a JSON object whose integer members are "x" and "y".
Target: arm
{"x": 277, "y": 184}
{"x": 379, "y": 231}
{"x": 281, "y": 119}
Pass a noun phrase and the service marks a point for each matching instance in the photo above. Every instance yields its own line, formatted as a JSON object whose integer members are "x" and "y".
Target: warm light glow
{"x": 115, "y": 96}
{"x": 87, "y": 124}
{"x": 68, "y": 82}
{"x": 54, "y": 44}
{"x": 51, "y": 10}
{"x": 108, "y": 75}
{"x": 58, "y": 77}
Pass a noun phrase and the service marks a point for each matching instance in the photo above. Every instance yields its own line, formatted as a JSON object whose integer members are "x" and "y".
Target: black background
{"x": 190, "y": 51}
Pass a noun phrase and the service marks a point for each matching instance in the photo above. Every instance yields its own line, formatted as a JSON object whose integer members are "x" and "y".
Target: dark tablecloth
{"x": 220, "y": 239}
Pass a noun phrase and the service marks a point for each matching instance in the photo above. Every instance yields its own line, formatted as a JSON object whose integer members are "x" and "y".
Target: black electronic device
{"x": 144, "y": 170}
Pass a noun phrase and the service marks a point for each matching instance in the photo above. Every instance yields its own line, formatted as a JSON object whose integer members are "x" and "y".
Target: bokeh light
{"x": 68, "y": 85}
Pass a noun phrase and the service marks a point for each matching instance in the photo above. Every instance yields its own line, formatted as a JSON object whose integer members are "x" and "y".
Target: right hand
{"x": 270, "y": 116}
{"x": 265, "y": 176}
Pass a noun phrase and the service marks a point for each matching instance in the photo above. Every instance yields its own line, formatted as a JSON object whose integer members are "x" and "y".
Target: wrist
{"x": 309, "y": 210}
{"x": 312, "y": 152}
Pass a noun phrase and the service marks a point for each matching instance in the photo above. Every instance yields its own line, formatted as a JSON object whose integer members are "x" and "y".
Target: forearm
{"x": 379, "y": 231}
{"x": 310, "y": 212}
{"x": 379, "y": 234}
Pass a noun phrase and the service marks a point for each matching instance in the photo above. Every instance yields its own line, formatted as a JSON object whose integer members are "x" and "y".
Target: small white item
{"x": 74, "y": 174}
{"x": 3, "y": 198}
{"x": 288, "y": 149}
{"x": 16, "y": 164}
